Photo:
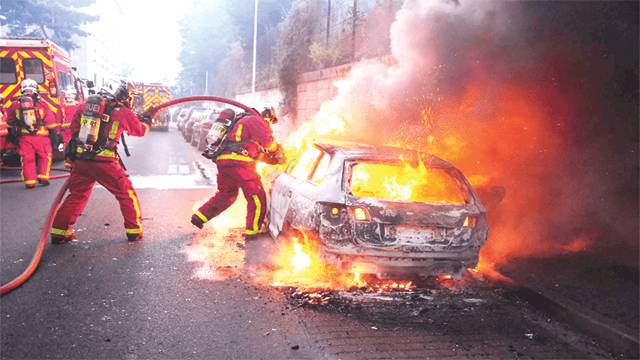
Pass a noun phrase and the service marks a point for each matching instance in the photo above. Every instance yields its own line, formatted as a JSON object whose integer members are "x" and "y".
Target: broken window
{"x": 321, "y": 169}
{"x": 404, "y": 182}
{"x": 303, "y": 167}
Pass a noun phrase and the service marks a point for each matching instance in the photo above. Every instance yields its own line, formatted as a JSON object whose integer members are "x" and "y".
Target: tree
{"x": 217, "y": 39}
{"x": 56, "y": 20}
{"x": 296, "y": 37}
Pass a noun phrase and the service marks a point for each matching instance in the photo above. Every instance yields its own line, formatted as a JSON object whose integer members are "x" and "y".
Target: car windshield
{"x": 406, "y": 182}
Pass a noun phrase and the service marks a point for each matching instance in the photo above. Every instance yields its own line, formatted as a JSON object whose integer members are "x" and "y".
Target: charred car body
{"x": 353, "y": 198}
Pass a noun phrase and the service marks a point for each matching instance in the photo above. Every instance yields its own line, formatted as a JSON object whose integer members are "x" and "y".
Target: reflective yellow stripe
{"x": 273, "y": 146}
{"x": 239, "y": 133}
{"x": 30, "y": 182}
{"x": 136, "y": 206}
{"x": 234, "y": 156}
{"x": 256, "y": 216}
{"x": 52, "y": 126}
{"x": 134, "y": 231}
{"x": 114, "y": 130}
{"x": 46, "y": 174}
{"x": 65, "y": 232}
{"x": 103, "y": 153}
{"x": 106, "y": 153}
{"x": 41, "y": 131}
{"x": 201, "y": 216}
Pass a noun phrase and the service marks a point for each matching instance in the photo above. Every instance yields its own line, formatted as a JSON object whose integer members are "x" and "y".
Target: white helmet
{"x": 108, "y": 89}
{"x": 28, "y": 86}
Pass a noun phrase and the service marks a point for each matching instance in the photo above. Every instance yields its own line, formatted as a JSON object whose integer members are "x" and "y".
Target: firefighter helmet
{"x": 227, "y": 114}
{"x": 108, "y": 89}
{"x": 29, "y": 86}
{"x": 269, "y": 114}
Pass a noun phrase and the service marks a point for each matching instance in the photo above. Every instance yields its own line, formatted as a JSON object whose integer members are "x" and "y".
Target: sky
{"x": 142, "y": 35}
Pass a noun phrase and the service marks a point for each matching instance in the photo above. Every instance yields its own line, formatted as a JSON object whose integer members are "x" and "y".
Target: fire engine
{"x": 49, "y": 65}
{"x": 150, "y": 95}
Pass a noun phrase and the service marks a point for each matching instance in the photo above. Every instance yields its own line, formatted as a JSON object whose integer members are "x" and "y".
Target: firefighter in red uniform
{"x": 35, "y": 127}
{"x": 96, "y": 130}
{"x": 71, "y": 106}
{"x": 249, "y": 141}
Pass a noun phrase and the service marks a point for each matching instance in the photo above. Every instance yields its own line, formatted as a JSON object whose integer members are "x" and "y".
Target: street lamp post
{"x": 255, "y": 38}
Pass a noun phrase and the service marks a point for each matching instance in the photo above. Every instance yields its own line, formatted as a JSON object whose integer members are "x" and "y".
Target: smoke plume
{"x": 533, "y": 101}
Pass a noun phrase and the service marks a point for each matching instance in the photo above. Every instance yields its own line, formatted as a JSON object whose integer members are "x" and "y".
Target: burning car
{"x": 380, "y": 210}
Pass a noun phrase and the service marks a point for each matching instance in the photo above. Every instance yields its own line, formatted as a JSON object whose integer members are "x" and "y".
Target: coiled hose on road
{"x": 35, "y": 260}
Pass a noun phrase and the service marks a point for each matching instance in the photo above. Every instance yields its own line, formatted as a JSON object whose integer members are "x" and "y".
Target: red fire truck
{"x": 49, "y": 65}
{"x": 149, "y": 95}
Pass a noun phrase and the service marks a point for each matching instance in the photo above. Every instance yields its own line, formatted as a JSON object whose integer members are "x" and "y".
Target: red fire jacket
{"x": 254, "y": 133}
{"x": 122, "y": 119}
{"x": 43, "y": 113}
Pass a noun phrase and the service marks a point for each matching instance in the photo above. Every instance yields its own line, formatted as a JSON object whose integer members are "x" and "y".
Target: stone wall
{"x": 314, "y": 88}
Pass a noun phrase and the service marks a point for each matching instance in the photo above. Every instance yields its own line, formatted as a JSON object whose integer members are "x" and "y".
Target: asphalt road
{"x": 182, "y": 293}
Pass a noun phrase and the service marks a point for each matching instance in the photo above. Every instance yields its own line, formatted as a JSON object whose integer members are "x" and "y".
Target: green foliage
{"x": 218, "y": 40}
{"x": 296, "y": 37}
{"x": 54, "y": 19}
{"x": 323, "y": 57}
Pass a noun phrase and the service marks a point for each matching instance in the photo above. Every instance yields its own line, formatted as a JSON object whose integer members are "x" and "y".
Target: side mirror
{"x": 90, "y": 84}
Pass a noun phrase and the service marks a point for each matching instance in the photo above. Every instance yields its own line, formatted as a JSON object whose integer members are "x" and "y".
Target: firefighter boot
{"x": 197, "y": 222}
{"x": 134, "y": 237}
{"x": 61, "y": 239}
{"x": 43, "y": 182}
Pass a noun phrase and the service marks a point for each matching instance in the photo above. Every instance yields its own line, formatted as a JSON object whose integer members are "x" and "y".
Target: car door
{"x": 292, "y": 192}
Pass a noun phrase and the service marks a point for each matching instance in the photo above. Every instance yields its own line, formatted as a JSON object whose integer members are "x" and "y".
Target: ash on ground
{"x": 429, "y": 301}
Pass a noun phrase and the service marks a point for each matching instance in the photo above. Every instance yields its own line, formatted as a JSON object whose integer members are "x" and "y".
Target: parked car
{"x": 196, "y": 116}
{"x": 200, "y": 130}
{"x": 352, "y": 198}
{"x": 184, "y": 118}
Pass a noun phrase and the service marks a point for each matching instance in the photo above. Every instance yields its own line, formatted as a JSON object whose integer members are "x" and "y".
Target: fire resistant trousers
{"x": 31, "y": 147}
{"x": 112, "y": 176}
{"x": 230, "y": 179}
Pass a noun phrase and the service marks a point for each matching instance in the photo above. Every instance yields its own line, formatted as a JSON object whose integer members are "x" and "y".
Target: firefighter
{"x": 35, "y": 128}
{"x": 71, "y": 105}
{"x": 249, "y": 140}
{"x": 97, "y": 128}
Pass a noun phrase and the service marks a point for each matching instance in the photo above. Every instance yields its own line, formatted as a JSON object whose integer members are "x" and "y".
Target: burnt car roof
{"x": 352, "y": 150}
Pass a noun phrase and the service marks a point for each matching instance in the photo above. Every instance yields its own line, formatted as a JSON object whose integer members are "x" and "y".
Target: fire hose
{"x": 35, "y": 260}
{"x": 9, "y": 181}
{"x": 37, "y": 256}
{"x": 154, "y": 110}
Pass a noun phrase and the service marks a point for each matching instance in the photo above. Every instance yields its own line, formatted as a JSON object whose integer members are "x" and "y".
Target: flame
{"x": 405, "y": 182}
{"x": 300, "y": 260}
{"x": 215, "y": 249}
{"x": 299, "y": 264}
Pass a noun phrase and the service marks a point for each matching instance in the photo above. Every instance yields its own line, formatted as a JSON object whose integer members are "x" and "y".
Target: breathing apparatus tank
{"x": 28, "y": 115}
{"x": 93, "y": 115}
{"x": 218, "y": 133}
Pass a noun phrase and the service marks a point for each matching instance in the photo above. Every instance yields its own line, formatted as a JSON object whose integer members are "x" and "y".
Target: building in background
{"x": 92, "y": 59}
